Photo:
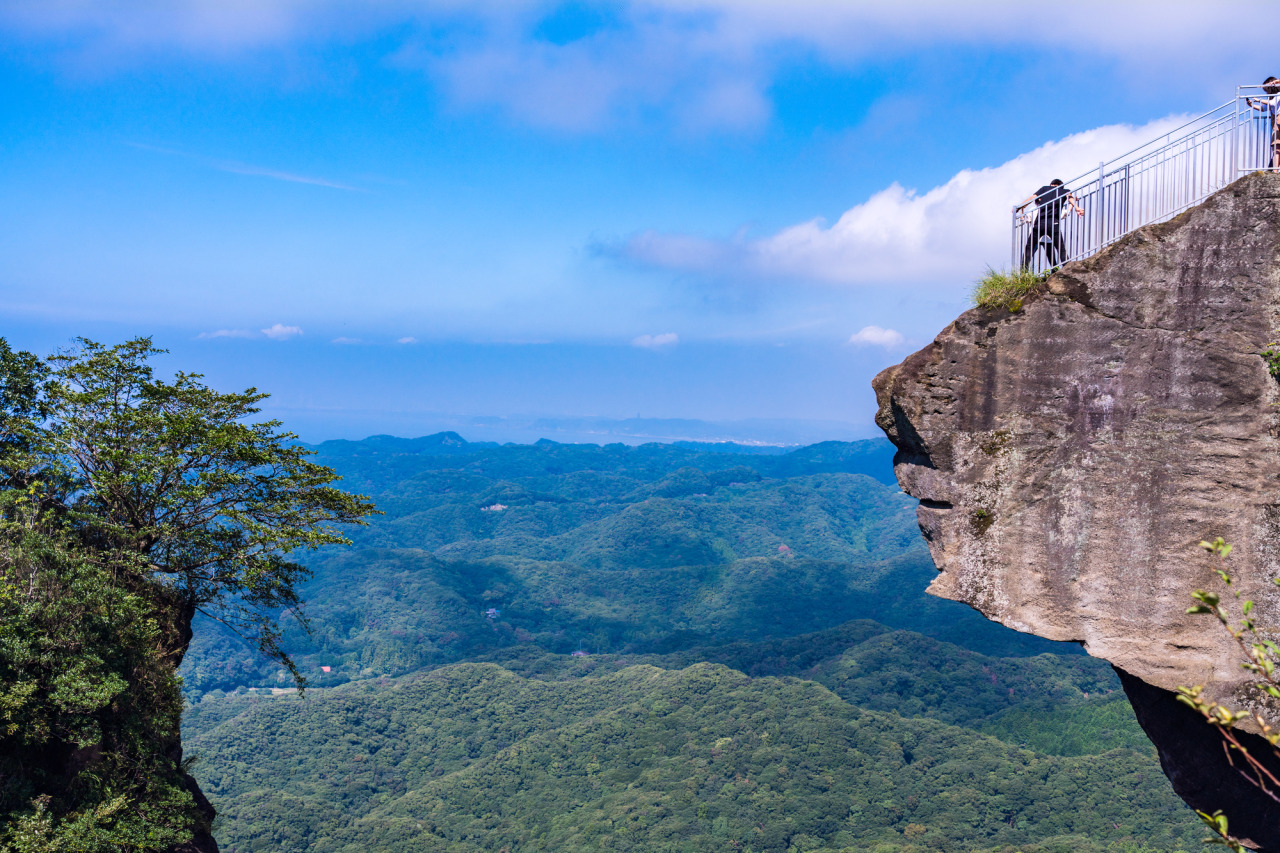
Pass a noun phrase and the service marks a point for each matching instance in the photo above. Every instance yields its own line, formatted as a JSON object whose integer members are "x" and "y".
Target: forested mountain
{"x": 473, "y": 757}
{"x": 583, "y": 548}
{"x": 567, "y": 647}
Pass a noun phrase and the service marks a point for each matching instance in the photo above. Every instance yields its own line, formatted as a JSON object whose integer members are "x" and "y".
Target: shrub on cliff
{"x": 1002, "y": 289}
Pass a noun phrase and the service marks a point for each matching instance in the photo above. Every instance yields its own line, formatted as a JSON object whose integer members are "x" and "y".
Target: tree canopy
{"x": 172, "y": 481}
{"x": 129, "y": 502}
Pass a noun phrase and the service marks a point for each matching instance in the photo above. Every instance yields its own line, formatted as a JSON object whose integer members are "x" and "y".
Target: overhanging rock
{"x": 1070, "y": 457}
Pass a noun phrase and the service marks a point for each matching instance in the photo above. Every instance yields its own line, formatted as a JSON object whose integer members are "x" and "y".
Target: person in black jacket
{"x": 1270, "y": 106}
{"x": 1047, "y": 227}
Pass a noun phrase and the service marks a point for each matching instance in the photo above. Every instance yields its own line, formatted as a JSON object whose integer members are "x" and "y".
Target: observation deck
{"x": 1156, "y": 181}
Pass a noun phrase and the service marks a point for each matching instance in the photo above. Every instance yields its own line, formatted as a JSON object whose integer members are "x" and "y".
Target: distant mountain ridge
{"x": 395, "y": 458}
{"x": 528, "y": 429}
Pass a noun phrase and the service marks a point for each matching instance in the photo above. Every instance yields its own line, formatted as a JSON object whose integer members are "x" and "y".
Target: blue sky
{"x": 387, "y": 212}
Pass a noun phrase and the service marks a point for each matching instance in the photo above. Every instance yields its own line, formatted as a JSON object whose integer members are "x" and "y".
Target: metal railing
{"x": 1151, "y": 183}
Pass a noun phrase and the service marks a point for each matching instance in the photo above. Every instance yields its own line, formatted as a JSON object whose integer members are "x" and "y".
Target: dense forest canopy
{"x": 472, "y": 757}
{"x": 599, "y": 549}
{"x": 666, "y": 647}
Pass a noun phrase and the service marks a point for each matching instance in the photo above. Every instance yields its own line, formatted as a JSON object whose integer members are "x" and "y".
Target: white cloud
{"x": 708, "y": 63}
{"x": 666, "y": 339}
{"x": 656, "y": 58}
{"x": 876, "y": 336}
{"x": 407, "y": 340}
{"x": 227, "y": 333}
{"x": 280, "y": 332}
{"x": 345, "y": 341}
{"x": 900, "y": 235}
{"x": 860, "y": 28}
{"x": 219, "y": 25}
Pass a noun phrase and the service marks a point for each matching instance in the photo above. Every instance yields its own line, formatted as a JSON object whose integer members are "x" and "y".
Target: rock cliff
{"x": 1070, "y": 456}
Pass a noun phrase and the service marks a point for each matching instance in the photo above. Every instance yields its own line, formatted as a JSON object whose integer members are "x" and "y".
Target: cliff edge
{"x": 1070, "y": 457}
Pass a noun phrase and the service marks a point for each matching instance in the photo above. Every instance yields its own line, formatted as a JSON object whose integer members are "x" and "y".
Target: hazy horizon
{"x": 531, "y": 429}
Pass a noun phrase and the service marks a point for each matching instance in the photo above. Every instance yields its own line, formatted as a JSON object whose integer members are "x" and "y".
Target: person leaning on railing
{"x": 1270, "y": 106}
{"x": 1047, "y": 227}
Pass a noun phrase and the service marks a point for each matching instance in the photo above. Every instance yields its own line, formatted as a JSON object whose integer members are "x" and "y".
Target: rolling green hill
{"x": 472, "y": 757}
{"x": 611, "y": 549}
{"x": 563, "y": 647}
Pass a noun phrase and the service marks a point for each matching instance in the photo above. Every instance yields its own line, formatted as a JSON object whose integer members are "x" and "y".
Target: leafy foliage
{"x": 1271, "y": 355}
{"x": 1260, "y": 656}
{"x": 89, "y": 708}
{"x": 127, "y": 503}
{"x": 169, "y": 477}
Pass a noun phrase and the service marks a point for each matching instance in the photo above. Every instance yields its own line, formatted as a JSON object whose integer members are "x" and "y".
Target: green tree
{"x": 175, "y": 484}
{"x": 127, "y": 504}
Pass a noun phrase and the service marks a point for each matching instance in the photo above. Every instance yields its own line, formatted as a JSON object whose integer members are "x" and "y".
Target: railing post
{"x": 1235, "y": 137}
{"x": 1126, "y": 198}
{"x": 1099, "y": 207}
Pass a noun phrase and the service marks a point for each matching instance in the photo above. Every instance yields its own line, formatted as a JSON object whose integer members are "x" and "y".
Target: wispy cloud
{"x": 876, "y": 336}
{"x": 662, "y": 341}
{"x": 226, "y": 333}
{"x": 646, "y": 59}
{"x": 262, "y": 172}
{"x": 345, "y": 341}
{"x": 407, "y": 340}
{"x": 281, "y": 332}
{"x": 898, "y": 235}
{"x": 237, "y": 168}
{"x": 276, "y": 332}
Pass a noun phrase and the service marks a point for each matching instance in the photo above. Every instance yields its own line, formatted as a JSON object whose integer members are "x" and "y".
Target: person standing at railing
{"x": 1047, "y": 227}
{"x": 1270, "y": 106}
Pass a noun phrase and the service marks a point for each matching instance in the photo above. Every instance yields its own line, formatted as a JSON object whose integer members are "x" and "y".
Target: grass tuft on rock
{"x": 1001, "y": 289}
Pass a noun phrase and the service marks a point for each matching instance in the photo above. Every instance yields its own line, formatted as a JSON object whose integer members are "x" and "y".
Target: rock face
{"x": 1069, "y": 457}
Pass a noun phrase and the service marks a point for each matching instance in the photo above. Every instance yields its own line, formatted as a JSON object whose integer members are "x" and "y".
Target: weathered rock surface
{"x": 1070, "y": 457}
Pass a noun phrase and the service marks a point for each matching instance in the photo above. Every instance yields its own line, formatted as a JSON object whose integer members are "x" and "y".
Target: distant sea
{"x": 527, "y": 429}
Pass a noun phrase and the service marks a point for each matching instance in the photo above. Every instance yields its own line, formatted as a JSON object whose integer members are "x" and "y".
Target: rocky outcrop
{"x": 1070, "y": 456}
